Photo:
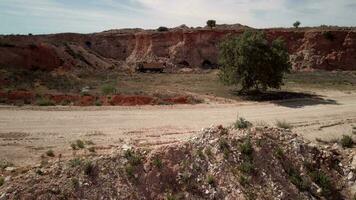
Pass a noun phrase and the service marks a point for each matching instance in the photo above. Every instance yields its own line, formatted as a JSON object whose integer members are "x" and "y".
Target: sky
{"x": 86, "y": 16}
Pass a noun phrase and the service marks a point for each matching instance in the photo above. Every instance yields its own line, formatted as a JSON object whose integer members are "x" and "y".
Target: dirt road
{"x": 26, "y": 133}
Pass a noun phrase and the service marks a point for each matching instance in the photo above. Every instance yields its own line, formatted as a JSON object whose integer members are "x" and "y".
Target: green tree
{"x": 253, "y": 62}
{"x": 211, "y": 23}
{"x": 296, "y": 24}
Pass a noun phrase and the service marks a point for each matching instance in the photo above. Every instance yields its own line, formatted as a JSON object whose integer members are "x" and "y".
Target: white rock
{"x": 126, "y": 147}
{"x": 351, "y": 176}
{"x": 10, "y": 169}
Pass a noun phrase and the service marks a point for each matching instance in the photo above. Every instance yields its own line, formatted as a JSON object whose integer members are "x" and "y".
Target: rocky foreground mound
{"x": 256, "y": 163}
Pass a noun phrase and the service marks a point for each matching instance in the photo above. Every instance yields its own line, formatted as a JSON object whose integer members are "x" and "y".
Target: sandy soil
{"x": 27, "y": 132}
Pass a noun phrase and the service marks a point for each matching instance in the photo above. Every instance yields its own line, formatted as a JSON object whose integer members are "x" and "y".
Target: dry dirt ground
{"x": 26, "y": 133}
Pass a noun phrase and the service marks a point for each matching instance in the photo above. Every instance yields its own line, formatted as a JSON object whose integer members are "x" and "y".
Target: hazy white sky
{"x": 51, "y": 16}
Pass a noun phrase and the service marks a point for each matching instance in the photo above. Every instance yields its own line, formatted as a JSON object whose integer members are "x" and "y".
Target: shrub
{"x": 2, "y": 181}
{"x": 162, "y": 29}
{"x": 297, "y": 24}
{"x": 246, "y": 147}
{"x": 75, "y": 183}
{"x": 108, "y": 89}
{"x": 243, "y": 180}
{"x": 323, "y": 181}
{"x": 157, "y": 162}
{"x": 250, "y": 61}
{"x": 50, "y": 153}
{"x": 346, "y": 141}
{"x": 211, "y": 23}
{"x": 329, "y": 36}
{"x": 210, "y": 180}
{"x": 89, "y": 168}
{"x": 247, "y": 167}
{"x": 44, "y": 102}
{"x": 75, "y": 162}
{"x": 278, "y": 152}
{"x": 208, "y": 151}
{"x": 98, "y": 103}
{"x": 241, "y": 123}
{"x": 80, "y": 144}
{"x": 5, "y": 163}
{"x": 133, "y": 158}
{"x": 284, "y": 125}
{"x": 91, "y": 149}
{"x": 74, "y": 146}
{"x": 224, "y": 147}
{"x": 129, "y": 170}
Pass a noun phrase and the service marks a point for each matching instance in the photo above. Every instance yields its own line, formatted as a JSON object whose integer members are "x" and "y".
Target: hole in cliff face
{"x": 208, "y": 65}
{"x": 184, "y": 63}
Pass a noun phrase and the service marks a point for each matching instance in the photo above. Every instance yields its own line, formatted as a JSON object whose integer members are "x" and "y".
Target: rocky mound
{"x": 221, "y": 163}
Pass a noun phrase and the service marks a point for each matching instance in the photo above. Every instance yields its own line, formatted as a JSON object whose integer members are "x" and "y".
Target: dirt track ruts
{"x": 152, "y": 125}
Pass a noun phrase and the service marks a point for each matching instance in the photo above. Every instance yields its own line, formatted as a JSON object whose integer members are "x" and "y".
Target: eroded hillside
{"x": 310, "y": 48}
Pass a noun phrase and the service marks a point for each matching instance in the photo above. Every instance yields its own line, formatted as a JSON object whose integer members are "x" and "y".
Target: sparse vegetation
{"x": 283, "y": 124}
{"x": 44, "y": 102}
{"x": 133, "y": 157}
{"x": 50, "y": 153}
{"x": 250, "y": 61}
{"x": 75, "y": 162}
{"x": 80, "y": 144}
{"x": 323, "y": 180}
{"x": 224, "y": 147}
{"x": 247, "y": 167}
{"x": 2, "y": 181}
{"x": 210, "y": 179}
{"x": 108, "y": 89}
{"x": 91, "y": 149}
{"x": 242, "y": 123}
{"x": 73, "y": 146}
{"x": 329, "y": 36}
{"x": 246, "y": 147}
{"x": 75, "y": 183}
{"x": 89, "y": 168}
{"x": 157, "y": 162}
{"x": 4, "y": 164}
{"x": 346, "y": 141}
{"x": 279, "y": 153}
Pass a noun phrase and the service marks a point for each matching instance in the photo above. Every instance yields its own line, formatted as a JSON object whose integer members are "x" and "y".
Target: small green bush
{"x": 75, "y": 162}
{"x": 44, "y": 102}
{"x": 5, "y": 163}
{"x": 80, "y": 144}
{"x": 242, "y": 123}
{"x": 329, "y": 36}
{"x": 346, "y": 141}
{"x": 246, "y": 147}
{"x": 247, "y": 167}
{"x": 278, "y": 152}
{"x": 91, "y": 149}
{"x": 129, "y": 169}
{"x": 243, "y": 180}
{"x": 50, "y": 153}
{"x": 74, "y": 146}
{"x": 2, "y": 181}
{"x": 284, "y": 125}
{"x": 108, "y": 89}
{"x": 89, "y": 168}
{"x": 323, "y": 181}
{"x": 210, "y": 180}
{"x": 75, "y": 183}
{"x": 133, "y": 157}
{"x": 157, "y": 162}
